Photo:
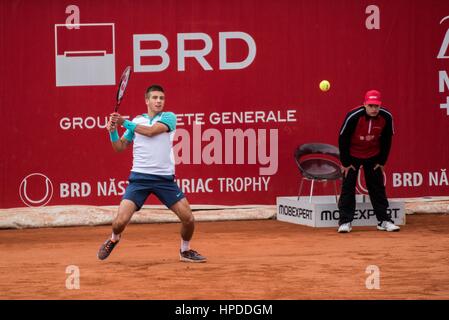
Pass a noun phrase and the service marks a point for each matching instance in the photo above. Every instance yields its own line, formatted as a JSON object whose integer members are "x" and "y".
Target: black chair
{"x": 318, "y": 162}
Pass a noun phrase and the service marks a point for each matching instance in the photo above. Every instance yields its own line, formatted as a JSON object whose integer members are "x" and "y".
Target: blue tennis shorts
{"x": 141, "y": 185}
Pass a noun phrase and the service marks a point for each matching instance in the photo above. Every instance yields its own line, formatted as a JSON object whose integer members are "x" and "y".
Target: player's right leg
{"x": 346, "y": 203}
{"x": 125, "y": 212}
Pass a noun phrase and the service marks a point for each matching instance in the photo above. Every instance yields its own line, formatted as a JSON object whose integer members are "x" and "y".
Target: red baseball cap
{"x": 373, "y": 97}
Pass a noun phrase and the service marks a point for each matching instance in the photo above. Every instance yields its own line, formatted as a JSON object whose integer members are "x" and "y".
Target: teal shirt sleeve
{"x": 169, "y": 119}
{"x": 129, "y": 135}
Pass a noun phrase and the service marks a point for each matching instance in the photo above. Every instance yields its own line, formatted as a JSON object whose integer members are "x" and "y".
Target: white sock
{"x": 115, "y": 237}
{"x": 185, "y": 245}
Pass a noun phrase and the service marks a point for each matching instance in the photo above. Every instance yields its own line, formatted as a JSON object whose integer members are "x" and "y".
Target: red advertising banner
{"x": 241, "y": 76}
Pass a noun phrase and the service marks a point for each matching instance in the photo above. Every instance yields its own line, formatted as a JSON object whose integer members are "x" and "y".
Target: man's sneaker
{"x": 387, "y": 226}
{"x": 191, "y": 256}
{"x": 106, "y": 249}
{"x": 345, "y": 228}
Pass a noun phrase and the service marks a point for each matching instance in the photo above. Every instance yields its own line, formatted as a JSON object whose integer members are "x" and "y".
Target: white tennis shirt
{"x": 153, "y": 155}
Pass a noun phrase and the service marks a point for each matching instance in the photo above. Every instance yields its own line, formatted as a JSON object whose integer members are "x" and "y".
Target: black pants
{"x": 375, "y": 184}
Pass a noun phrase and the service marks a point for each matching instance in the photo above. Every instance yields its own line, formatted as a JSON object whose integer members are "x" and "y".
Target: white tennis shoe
{"x": 388, "y": 226}
{"x": 345, "y": 228}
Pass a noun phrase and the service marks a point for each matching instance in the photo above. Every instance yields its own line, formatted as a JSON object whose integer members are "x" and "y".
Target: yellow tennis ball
{"x": 325, "y": 85}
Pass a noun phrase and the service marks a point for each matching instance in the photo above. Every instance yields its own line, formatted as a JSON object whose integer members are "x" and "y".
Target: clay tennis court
{"x": 263, "y": 259}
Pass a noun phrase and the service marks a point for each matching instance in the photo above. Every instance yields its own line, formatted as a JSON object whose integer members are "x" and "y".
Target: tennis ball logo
{"x": 325, "y": 85}
{"x": 36, "y": 190}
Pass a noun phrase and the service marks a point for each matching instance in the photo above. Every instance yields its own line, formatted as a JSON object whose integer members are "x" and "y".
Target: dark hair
{"x": 153, "y": 87}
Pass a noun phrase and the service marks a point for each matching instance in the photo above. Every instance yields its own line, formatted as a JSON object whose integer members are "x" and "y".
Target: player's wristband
{"x": 129, "y": 125}
{"x": 114, "y": 136}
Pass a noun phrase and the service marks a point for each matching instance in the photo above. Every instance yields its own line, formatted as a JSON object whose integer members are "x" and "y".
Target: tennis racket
{"x": 122, "y": 86}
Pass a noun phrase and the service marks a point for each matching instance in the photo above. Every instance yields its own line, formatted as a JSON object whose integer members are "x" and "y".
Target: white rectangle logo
{"x": 85, "y": 56}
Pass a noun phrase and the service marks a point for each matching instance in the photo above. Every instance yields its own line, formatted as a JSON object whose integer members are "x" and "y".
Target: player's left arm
{"x": 166, "y": 123}
{"x": 152, "y": 131}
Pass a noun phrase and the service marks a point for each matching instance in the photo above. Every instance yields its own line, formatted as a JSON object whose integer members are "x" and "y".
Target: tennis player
{"x": 153, "y": 171}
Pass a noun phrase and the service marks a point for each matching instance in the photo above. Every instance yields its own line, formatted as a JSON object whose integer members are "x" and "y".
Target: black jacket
{"x": 352, "y": 125}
